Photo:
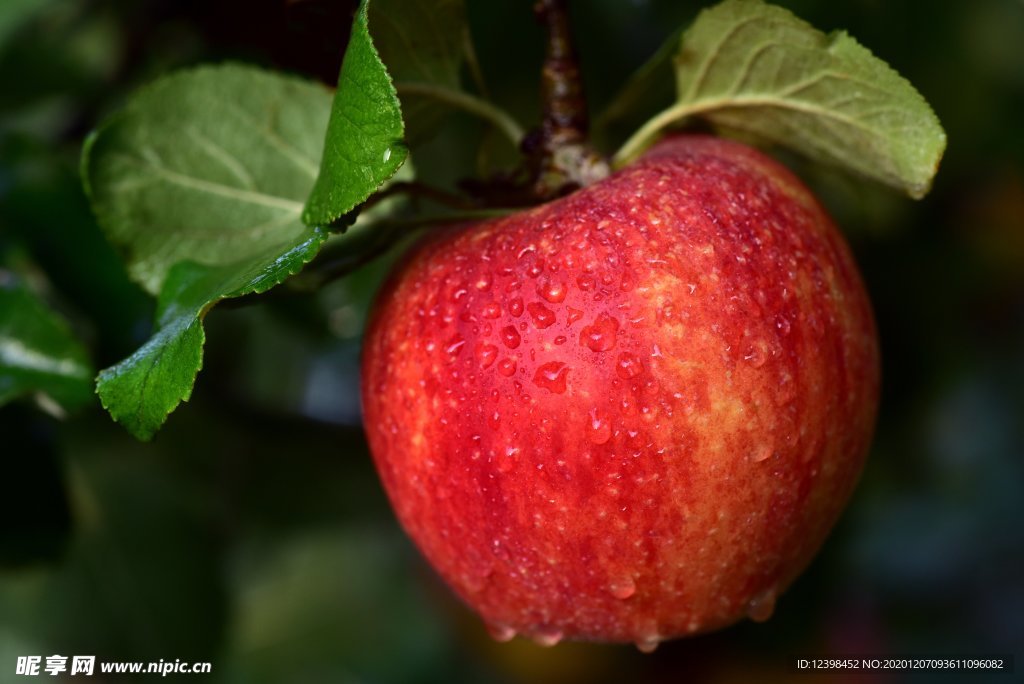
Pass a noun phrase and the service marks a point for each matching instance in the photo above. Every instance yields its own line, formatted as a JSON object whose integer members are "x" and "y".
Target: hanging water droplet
{"x": 600, "y": 336}
{"x": 622, "y": 588}
{"x": 761, "y": 607}
{"x": 551, "y": 290}
{"x": 486, "y": 354}
{"x": 500, "y": 633}
{"x": 548, "y": 637}
{"x": 510, "y": 336}
{"x": 515, "y": 306}
{"x": 551, "y": 376}
{"x": 543, "y": 317}
{"x": 648, "y": 644}
{"x": 628, "y": 366}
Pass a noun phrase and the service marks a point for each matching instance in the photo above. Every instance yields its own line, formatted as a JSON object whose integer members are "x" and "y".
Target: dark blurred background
{"x": 252, "y": 533}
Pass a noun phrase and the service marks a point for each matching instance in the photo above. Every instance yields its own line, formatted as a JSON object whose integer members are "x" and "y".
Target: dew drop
{"x": 507, "y": 367}
{"x": 494, "y": 420}
{"x": 599, "y": 430}
{"x": 536, "y": 268}
{"x": 483, "y": 283}
{"x": 510, "y": 336}
{"x": 551, "y": 290}
{"x": 454, "y": 345}
{"x": 623, "y": 588}
{"x": 585, "y": 282}
{"x": 515, "y": 306}
{"x": 551, "y": 376}
{"x": 486, "y": 354}
{"x": 459, "y": 294}
{"x": 761, "y": 453}
{"x": 500, "y": 633}
{"x": 548, "y": 638}
{"x": 755, "y": 357}
{"x": 761, "y": 607}
{"x": 648, "y": 644}
{"x": 491, "y": 310}
{"x": 600, "y": 336}
{"x": 574, "y": 315}
{"x": 543, "y": 317}
{"x": 560, "y": 339}
{"x": 628, "y": 366}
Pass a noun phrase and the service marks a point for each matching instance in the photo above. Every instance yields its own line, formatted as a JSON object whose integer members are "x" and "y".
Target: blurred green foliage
{"x": 253, "y": 533}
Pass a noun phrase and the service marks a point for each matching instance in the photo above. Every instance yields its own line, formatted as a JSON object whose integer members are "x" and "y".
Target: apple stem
{"x": 558, "y": 152}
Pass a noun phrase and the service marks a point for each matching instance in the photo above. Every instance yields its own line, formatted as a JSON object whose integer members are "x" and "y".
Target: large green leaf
{"x": 143, "y": 389}
{"x": 38, "y": 352}
{"x": 210, "y": 165}
{"x": 755, "y": 68}
{"x": 365, "y": 143}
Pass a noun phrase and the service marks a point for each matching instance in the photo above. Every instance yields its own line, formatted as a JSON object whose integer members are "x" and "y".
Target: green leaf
{"x": 38, "y": 352}
{"x": 755, "y": 68}
{"x": 210, "y": 165}
{"x": 365, "y": 143}
{"x": 143, "y": 389}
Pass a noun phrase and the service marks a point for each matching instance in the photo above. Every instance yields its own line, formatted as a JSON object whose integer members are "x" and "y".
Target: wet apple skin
{"x": 633, "y": 413}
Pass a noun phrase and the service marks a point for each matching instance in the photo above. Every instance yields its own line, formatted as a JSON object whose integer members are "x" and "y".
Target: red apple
{"x": 633, "y": 413}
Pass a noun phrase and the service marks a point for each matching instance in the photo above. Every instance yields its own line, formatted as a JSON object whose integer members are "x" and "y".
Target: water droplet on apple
{"x": 536, "y": 268}
{"x": 551, "y": 376}
{"x": 515, "y": 306}
{"x": 600, "y": 336}
{"x": 551, "y": 290}
{"x": 510, "y": 336}
{"x": 585, "y": 282}
{"x": 486, "y": 354}
{"x": 623, "y": 588}
{"x": 782, "y": 324}
{"x": 762, "y": 453}
{"x": 628, "y": 366}
{"x": 648, "y": 644}
{"x": 494, "y": 420}
{"x": 491, "y": 310}
{"x": 507, "y": 367}
{"x": 499, "y": 632}
{"x": 599, "y": 430}
{"x": 761, "y": 607}
{"x": 574, "y": 315}
{"x": 755, "y": 356}
{"x": 483, "y": 283}
{"x": 543, "y": 317}
{"x": 454, "y": 345}
{"x": 548, "y": 637}
{"x": 560, "y": 339}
